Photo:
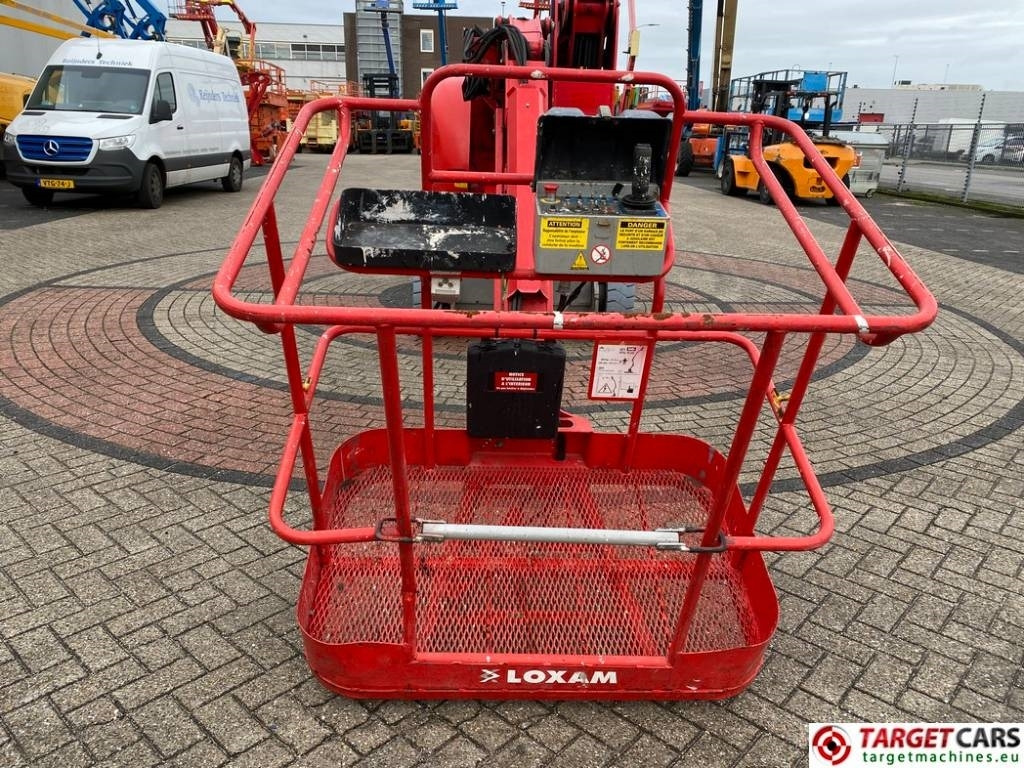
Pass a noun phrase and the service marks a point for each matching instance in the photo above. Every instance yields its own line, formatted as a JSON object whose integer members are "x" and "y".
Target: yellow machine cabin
{"x": 791, "y": 168}
{"x": 814, "y": 100}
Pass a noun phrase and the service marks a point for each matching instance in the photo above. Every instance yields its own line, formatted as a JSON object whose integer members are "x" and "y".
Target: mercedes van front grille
{"x": 57, "y": 149}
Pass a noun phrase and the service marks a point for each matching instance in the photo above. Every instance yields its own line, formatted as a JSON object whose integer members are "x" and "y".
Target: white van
{"x": 129, "y": 116}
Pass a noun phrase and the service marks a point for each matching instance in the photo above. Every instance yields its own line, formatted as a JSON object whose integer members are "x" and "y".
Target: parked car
{"x": 1005, "y": 150}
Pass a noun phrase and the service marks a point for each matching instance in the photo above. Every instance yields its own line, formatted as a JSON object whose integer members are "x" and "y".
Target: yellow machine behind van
{"x": 14, "y": 92}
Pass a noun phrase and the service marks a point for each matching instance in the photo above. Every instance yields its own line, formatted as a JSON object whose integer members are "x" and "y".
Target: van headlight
{"x": 9, "y": 139}
{"x": 117, "y": 142}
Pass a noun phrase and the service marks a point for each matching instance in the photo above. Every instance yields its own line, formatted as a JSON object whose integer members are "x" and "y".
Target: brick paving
{"x": 147, "y": 611}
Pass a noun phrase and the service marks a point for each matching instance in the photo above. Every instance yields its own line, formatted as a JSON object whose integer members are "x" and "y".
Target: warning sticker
{"x": 515, "y": 381}
{"x": 641, "y": 235}
{"x": 580, "y": 262}
{"x": 600, "y": 254}
{"x": 617, "y": 370}
{"x": 564, "y": 233}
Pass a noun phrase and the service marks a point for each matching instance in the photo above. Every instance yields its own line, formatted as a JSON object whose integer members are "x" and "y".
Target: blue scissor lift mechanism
{"x": 440, "y": 7}
{"x": 383, "y": 134}
{"x": 121, "y": 18}
{"x": 694, "y": 17}
{"x": 702, "y": 146}
{"x": 696, "y": 14}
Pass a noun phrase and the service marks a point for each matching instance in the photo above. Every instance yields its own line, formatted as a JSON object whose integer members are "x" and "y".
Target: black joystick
{"x": 642, "y": 194}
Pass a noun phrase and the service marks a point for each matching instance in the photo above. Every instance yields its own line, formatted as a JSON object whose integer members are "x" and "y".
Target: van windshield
{"x": 91, "y": 89}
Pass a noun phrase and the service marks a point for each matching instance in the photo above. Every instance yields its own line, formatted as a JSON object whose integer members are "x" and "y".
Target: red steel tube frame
{"x": 873, "y": 329}
{"x": 502, "y": 72}
{"x": 647, "y": 328}
{"x": 299, "y": 435}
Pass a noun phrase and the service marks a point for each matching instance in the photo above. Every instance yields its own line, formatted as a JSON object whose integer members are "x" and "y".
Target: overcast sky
{"x": 939, "y": 41}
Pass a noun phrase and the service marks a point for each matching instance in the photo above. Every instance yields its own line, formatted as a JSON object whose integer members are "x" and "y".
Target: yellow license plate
{"x": 57, "y": 183}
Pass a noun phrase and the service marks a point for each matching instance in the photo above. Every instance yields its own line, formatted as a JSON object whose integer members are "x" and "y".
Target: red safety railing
{"x": 727, "y": 526}
{"x": 873, "y": 329}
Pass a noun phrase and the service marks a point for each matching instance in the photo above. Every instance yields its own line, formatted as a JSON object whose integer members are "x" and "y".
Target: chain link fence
{"x": 966, "y": 162}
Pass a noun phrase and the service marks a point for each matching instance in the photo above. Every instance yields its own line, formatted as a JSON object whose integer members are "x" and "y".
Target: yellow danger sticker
{"x": 580, "y": 262}
{"x": 641, "y": 235}
{"x": 558, "y": 233}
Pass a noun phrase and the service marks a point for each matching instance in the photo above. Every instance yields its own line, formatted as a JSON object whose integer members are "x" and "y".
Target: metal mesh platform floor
{"x": 501, "y": 597}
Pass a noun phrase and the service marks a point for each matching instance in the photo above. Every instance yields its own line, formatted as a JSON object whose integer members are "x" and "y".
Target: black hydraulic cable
{"x": 476, "y": 44}
{"x": 564, "y": 301}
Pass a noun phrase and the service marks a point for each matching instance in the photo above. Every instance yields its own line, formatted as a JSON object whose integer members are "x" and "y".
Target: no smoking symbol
{"x": 600, "y": 254}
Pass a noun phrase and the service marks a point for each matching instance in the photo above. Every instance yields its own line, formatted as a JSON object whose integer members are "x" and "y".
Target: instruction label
{"x": 641, "y": 235}
{"x": 515, "y": 381}
{"x": 559, "y": 233}
{"x": 617, "y": 371}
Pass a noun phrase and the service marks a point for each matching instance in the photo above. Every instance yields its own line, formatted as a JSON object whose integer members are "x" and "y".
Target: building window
{"x": 201, "y": 44}
{"x": 282, "y": 51}
{"x": 306, "y": 51}
{"x": 273, "y": 51}
{"x": 424, "y": 74}
{"x": 426, "y": 41}
{"x": 315, "y": 52}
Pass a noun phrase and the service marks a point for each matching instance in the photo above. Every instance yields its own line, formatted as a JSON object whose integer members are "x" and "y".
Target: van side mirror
{"x": 161, "y": 112}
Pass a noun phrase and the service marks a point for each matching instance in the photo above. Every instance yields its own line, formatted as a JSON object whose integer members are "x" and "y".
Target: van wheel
{"x": 233, "y": 181}
{"x": 38, "y": 197}
{"x": 151, "y": 193}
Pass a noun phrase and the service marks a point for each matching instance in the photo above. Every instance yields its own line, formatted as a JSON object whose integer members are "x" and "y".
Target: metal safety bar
{"x": 873, "y": 329}
{"x": 660, "y": 538}
{"x": 787, "y": 438}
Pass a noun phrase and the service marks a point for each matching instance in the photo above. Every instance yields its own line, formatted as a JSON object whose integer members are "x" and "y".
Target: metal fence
{"x": 966, "y": 162}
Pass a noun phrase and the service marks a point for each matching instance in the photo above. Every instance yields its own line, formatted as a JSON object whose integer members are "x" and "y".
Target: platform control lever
{"x": 641, "y": 194}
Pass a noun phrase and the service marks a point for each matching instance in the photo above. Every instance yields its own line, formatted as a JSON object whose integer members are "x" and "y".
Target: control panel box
{"x": 597, "y": 209}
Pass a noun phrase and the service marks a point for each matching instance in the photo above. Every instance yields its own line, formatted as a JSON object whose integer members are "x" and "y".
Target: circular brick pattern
{"x": 166, "y": 379}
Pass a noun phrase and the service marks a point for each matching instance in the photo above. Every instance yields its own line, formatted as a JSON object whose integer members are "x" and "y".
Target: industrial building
{"x": 306, "y": 52}
{"x": 931, "y": 104}
{"x": 415, "y": 41}
{"x": 26, "y": 53}
{"x": 346, "y": 51}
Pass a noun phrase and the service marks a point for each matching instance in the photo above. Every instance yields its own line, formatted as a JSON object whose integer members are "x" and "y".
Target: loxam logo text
{"x": 551, "y": 677}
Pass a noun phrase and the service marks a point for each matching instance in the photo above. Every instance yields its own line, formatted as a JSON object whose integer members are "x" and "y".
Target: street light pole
{"x": 895, "y": 63}
{"x": 633, "y": 44}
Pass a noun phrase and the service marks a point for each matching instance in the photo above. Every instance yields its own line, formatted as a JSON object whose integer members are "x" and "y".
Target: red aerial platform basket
{"x": 577, "y": 563}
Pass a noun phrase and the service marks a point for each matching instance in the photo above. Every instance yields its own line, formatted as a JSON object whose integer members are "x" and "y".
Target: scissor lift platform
{"x": 572, "y": 562}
